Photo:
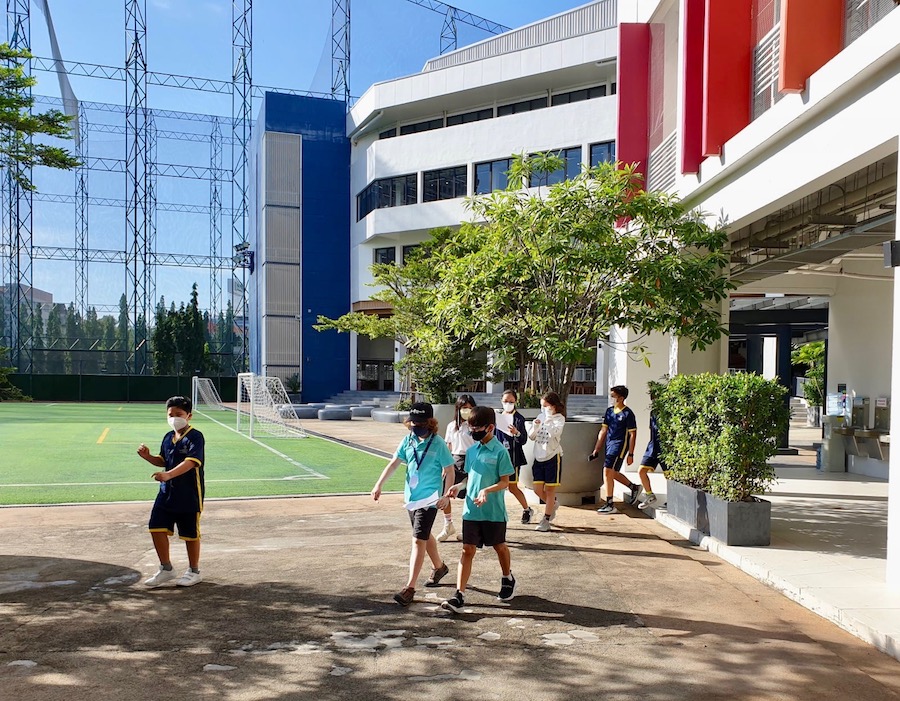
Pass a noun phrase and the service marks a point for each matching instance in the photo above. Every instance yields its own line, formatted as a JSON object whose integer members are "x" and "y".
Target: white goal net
{"x": 205, "y": 396}
{"x": 263, "y": 406}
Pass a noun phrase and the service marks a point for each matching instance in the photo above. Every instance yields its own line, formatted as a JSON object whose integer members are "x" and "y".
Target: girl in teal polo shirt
{"x": 429, "y": 474}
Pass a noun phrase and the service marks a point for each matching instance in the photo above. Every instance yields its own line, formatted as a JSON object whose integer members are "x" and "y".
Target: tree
{"x": 90, "y": 342}
{"x": 163, "y": 341}
{"x": 122, "y": 329}
{"x": 73, "y": 340}
{"x": 56, "y": 354}
{"x": 8, "y": 391}
{"x": 812, "y": 355}
{"x": 547, "y": 273}
{"x": 435, "y": 362}
{"x": 108, "y": 334}
{"x": 18, "y": 123}
{"x": 39, "y": 355}
{"x": 191, "y": 337}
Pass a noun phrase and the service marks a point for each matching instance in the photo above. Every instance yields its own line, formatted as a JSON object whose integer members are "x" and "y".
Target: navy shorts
{"x": 652, "y": 460}
{"x": 548, "y": 472}
{"x": 422, "y": 520}
{"x": 614, "y": 462}
{"x": 480, "y": 533}
{"x": 163, "y": 520}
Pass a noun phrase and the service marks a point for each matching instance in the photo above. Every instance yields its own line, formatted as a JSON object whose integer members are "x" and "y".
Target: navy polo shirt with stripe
{"x": 184, "y": 493}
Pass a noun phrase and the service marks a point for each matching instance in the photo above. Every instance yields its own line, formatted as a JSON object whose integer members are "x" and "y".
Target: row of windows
{"x": 389, "y": 255}
{"x": 450, "y": 183}
{"x": 502, "y": 111}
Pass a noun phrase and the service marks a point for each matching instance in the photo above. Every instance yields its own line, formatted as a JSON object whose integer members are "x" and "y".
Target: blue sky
{"x": 292, "y": 48}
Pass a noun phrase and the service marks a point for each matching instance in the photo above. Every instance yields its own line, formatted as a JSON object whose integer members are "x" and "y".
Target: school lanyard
{"x": 416, "y": 458}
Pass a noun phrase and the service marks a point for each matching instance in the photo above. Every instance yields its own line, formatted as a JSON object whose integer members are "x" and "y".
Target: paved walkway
{"x": 296, "y": 604}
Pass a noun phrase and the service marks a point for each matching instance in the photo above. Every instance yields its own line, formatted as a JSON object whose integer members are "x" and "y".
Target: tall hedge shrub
{"x": 719, "y": 431}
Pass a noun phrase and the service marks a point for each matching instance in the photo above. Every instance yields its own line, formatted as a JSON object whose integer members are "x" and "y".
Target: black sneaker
{"x": 437, "y": 575}
{"x": 507, "y": 588}
{"x": 632, "y": 498}
{"x": 527, "y": 514}
{"x": 405, "y": 596}
{"x": 455, "y": 603}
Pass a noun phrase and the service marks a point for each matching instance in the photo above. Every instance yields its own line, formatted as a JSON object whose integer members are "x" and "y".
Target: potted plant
{"x": 718, "y": 433}
{"x": 293, "y": 386}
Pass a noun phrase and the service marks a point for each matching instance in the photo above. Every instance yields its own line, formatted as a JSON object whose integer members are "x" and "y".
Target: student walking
{"x": 459, "y": 440}
{"x": 513, "y": 439}
{"x": 650, "y": 462}
{"x": 488, "y": 468}
{"x": 429, "y": 474}
{"x": 179, "y": 501}
{"x": 619, "y": 433}
{"x": 546, "y": 432}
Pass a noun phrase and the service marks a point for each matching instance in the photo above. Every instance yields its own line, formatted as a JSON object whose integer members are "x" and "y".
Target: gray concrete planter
{"x": 580, "y": 479}
{"x": 731, "y": 522}
{"x": 365, "y": 411}
{"x": 388, "y": 416}
{"x": 334, "y": 414}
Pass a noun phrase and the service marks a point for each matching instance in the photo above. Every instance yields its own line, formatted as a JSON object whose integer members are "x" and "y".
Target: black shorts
{"x": 479, "y": 533}
{"x": 514, "y": 477}
{"x": 162, "y": 520}
{"x": 548, "y": 472}
{"x": 459, "y": 465}
{"x": 422, "y": 520}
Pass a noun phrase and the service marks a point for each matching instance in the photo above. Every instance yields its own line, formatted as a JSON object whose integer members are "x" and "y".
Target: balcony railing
{"x": 765, "y": 71}
{"x": 661, "y": 166}
{"x": 862, "y": 14}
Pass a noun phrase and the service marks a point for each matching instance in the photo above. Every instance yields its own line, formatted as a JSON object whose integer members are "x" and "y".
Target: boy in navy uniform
{"x": 488, "y": 468}
{"x": 619, "y": 432}
{"x": 650, "y": 462}
{"x": 181, "y": 491}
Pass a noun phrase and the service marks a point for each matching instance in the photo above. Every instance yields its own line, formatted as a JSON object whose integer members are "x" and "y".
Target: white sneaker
{"x": 161, "y": 577}
{"x": 649, "y": 500}
{"x": 189, "y": 579}
{"x": 449, "y": 530}
{"x": 544, "y": 525}
{"x": 555, "y": 508}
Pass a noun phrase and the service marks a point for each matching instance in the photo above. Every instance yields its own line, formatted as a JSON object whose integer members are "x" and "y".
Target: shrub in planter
{"x": 719, "y": 431}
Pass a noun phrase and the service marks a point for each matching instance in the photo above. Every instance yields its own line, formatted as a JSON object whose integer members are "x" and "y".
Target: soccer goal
{"x": 263, "y": 405}
{"x": 205, "y": 396}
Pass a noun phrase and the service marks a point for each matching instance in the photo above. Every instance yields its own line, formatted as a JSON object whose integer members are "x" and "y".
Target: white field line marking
{"x": 291, "y": 460}
{"x": 292, "y": 478}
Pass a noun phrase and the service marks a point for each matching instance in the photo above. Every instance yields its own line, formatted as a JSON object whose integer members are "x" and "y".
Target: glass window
{"x": 386, "y": 255}
{"x": 571, "y": 168}
{"x": 427, "y": 125}
{"x": 407, "y": 251}
{"x": 523, "y": 106}
{"x": 604, "y": 152}
{"x": 444, "y": 184}
{"x": 491, "y": 176}
{"x": 388, "y": 133}
{"x": 578, "y": 95}
{"x": 387, "y": 192}
{"x": 468, "y": 117}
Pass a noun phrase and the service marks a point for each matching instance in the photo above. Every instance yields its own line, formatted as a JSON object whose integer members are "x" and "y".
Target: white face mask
{"x": 464, "y": 414}
{"x": 548, "y": 410}
{"x": 177, "y": 422}
{"x": 509, "y": 407}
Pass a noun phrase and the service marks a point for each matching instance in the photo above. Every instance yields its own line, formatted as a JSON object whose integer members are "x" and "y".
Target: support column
{"x": 783, "y": 372}
{"x": 627, "y": 367}
{"x": 893, "y": 529}
{"x": 754, "y": 353}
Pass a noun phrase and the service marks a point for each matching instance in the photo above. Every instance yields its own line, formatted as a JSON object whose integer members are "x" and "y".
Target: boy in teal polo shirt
{"x": 488, "y": 468}
{"x": 429, "y": 475}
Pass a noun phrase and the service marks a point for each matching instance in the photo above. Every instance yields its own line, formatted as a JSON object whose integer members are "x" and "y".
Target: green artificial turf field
{"x": 65, "y": 453}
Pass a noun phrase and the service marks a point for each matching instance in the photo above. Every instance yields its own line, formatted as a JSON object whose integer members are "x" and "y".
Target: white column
{"x": 627, "y": 367}
{"x": 601, "y": 388}
{"x": 399, "y": 352}
{"x": 893, "y": 530}
{"x": 770, "y": 347}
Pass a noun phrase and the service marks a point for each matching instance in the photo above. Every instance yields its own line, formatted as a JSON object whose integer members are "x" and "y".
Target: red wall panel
{"x": 633, "y": 91}
{"x": 692, "y": 114}
{"x": 727, "y": 71}
{"x": 812, "y": 33}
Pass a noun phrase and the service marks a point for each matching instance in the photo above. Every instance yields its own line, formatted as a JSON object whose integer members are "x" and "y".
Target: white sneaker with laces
{"x": 189, "y": 579}
{"x": 649, "y": 500}
{"x": 449, "y": 530}
{"x": 544, "y": 525}
{"x": 161, "y": 577}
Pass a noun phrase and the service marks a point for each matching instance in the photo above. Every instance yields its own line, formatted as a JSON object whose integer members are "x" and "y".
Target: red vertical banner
{"x": 633, "y": 92}
{"x": 727, "y": 71}
{"x": 692, "y": 103}
{"x": 812, "y": 33}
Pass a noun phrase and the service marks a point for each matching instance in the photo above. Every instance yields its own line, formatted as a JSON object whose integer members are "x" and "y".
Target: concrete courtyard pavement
{"x": 297, "y": 602}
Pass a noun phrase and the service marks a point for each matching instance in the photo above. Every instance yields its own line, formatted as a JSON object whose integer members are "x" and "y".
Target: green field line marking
{"x": 103, "y": 435}
{"x": 291, "y": 460}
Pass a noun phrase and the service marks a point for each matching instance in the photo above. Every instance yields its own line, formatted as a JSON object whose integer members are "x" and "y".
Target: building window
{"x": 387, "y": 192}
{"x": 612, "y": 89}
{"x": 386, "y": 256}
{"x": 604, "y": 152}
{"x": 523, "y": 106}
{"x": 491, "y": 176}
{"x": 444, "y": 184}
{"x": 571, "y": 168}
{"x": 408, "y": 250}
{"x": 388, "y": 133}
{"x": 578, "y": 95}
{"x": 468, "y": 117}
{"x": 427, "y": 125}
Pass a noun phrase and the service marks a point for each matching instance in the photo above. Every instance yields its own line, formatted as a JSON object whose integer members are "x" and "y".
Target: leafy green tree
{"x": 19, "y": 123}
{"x": 191, "y": 337}
{"x": 38, "y": 355}
{"x": 546, "y": 273}
{"x": 56, "y": 363}
{"x": 73, "y": 340}
{"x": 110, "y": 344}
{"x": 123, "y": 334}
{"x": 811, "y": 356}
{"x": 4, "y": 332}
{"x": 162, "y": 341}
{"x": 90, "y": 342}
{"x": 8, "y": 391}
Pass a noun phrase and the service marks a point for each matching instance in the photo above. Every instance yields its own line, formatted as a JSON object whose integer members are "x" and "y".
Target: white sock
{"x": 448, "y": 519}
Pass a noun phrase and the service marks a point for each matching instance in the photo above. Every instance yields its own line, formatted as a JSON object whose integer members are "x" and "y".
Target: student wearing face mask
{"x": 179, "y": 501}
{"x": 459, "y": 440}
{"x": 546, "y": 431}
{"x": 513, "y": 442}
{"x": 429, "y": 474}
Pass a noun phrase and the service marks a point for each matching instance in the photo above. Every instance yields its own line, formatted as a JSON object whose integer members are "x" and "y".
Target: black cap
{"x": 420, "y": 412}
